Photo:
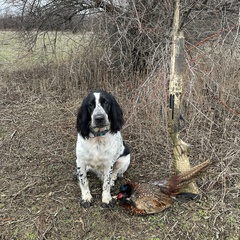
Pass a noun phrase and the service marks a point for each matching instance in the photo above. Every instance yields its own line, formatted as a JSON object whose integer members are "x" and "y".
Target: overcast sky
{"x": 10, "y": 9}
{"x": 6, "y": 8}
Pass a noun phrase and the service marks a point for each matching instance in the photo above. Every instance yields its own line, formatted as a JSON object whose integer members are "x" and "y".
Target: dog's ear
{"x": 115, "y": 116}
{"x": 83, "y": 120}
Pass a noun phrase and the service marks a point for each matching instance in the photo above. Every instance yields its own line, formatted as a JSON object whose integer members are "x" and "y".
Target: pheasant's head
{"x": 124, "y": 193}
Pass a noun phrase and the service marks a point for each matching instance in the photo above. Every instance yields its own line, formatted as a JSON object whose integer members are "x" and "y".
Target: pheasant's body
{"x": 148, "y": 198}
{"x": 155, "y": 196}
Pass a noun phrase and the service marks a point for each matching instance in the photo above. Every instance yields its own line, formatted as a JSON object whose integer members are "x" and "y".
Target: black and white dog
{"x": 100, "y": 147}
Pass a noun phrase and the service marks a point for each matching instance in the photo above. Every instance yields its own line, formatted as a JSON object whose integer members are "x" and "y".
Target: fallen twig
{"x": 13, "y": 134}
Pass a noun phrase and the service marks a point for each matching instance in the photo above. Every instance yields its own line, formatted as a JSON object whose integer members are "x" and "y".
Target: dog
{"x": 100, "y": 147}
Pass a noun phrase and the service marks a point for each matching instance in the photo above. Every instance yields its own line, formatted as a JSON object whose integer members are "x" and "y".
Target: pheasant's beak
{"x": 114, "y": 197}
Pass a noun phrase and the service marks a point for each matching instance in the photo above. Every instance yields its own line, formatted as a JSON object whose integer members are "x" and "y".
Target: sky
{"x": 7, "y": 8}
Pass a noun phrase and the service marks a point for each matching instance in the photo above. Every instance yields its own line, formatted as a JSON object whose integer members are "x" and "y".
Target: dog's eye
{"x": 105, "y": 102}
{"x": 91, "y": 105}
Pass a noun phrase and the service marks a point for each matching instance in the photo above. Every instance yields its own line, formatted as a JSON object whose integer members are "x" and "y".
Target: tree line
{"x": 137, "y": 31}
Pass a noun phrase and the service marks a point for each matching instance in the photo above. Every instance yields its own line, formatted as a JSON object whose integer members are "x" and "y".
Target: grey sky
{"x": 7, "y": 8}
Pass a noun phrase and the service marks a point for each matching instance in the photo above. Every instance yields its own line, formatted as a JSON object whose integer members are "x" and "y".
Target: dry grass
{"x": 39, "y": 200}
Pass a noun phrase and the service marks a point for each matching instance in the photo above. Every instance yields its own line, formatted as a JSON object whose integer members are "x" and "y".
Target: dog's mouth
{"x": 99, "y": 127}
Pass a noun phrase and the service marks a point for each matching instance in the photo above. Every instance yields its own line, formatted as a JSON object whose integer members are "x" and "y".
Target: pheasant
{"x": 155, "y": 196}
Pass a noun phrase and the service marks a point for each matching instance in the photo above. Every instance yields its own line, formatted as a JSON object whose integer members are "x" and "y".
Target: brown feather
{"x": 176, "y": 182}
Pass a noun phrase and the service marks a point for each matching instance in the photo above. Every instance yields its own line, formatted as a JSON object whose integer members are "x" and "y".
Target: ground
{"x": 40, "y": 200}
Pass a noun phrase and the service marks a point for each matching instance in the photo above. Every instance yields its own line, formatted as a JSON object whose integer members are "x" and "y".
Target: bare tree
{"x": 137, "y": 33}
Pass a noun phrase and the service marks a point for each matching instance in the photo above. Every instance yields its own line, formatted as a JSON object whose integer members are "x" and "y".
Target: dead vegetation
{"x": 39, "y": 199}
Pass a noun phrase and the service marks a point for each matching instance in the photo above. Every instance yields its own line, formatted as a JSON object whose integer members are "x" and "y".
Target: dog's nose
{"x": 99, "y": 118}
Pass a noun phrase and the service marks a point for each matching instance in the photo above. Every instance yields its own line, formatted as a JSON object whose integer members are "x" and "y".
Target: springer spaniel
{"x": 100, "y": 147}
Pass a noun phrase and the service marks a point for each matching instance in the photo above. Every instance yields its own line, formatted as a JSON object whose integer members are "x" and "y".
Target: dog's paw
{"x": 109, "y": 205}
{"x": 86, "y": 204}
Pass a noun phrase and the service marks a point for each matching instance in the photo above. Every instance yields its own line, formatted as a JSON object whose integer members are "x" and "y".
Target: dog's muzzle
{"x": 99, "y": 120}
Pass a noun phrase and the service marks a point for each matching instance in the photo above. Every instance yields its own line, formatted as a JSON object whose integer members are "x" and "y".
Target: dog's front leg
{"x": 83, "y": 183}
{"x": 106, "y": 195}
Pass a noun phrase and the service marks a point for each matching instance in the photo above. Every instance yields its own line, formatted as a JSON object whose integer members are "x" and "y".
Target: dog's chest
{"x": 99, "y": 148}
{"x": 99, "y": 151}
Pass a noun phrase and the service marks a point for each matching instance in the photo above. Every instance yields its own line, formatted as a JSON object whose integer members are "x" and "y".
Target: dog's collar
{"x": 98, "y": 134}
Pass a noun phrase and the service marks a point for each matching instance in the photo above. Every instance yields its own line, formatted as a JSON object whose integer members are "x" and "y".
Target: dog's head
{"x": 99, "y": 111}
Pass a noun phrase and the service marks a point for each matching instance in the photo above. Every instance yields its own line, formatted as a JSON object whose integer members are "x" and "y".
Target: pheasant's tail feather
{"x": 194, "y": 172}
{"x": 173, "y": 186}
{"x": 177, "y": 181}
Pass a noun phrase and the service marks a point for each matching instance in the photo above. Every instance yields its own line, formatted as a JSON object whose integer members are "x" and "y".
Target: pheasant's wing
{"x": 149, "y": 199}
{"x": 154, "y": 204}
